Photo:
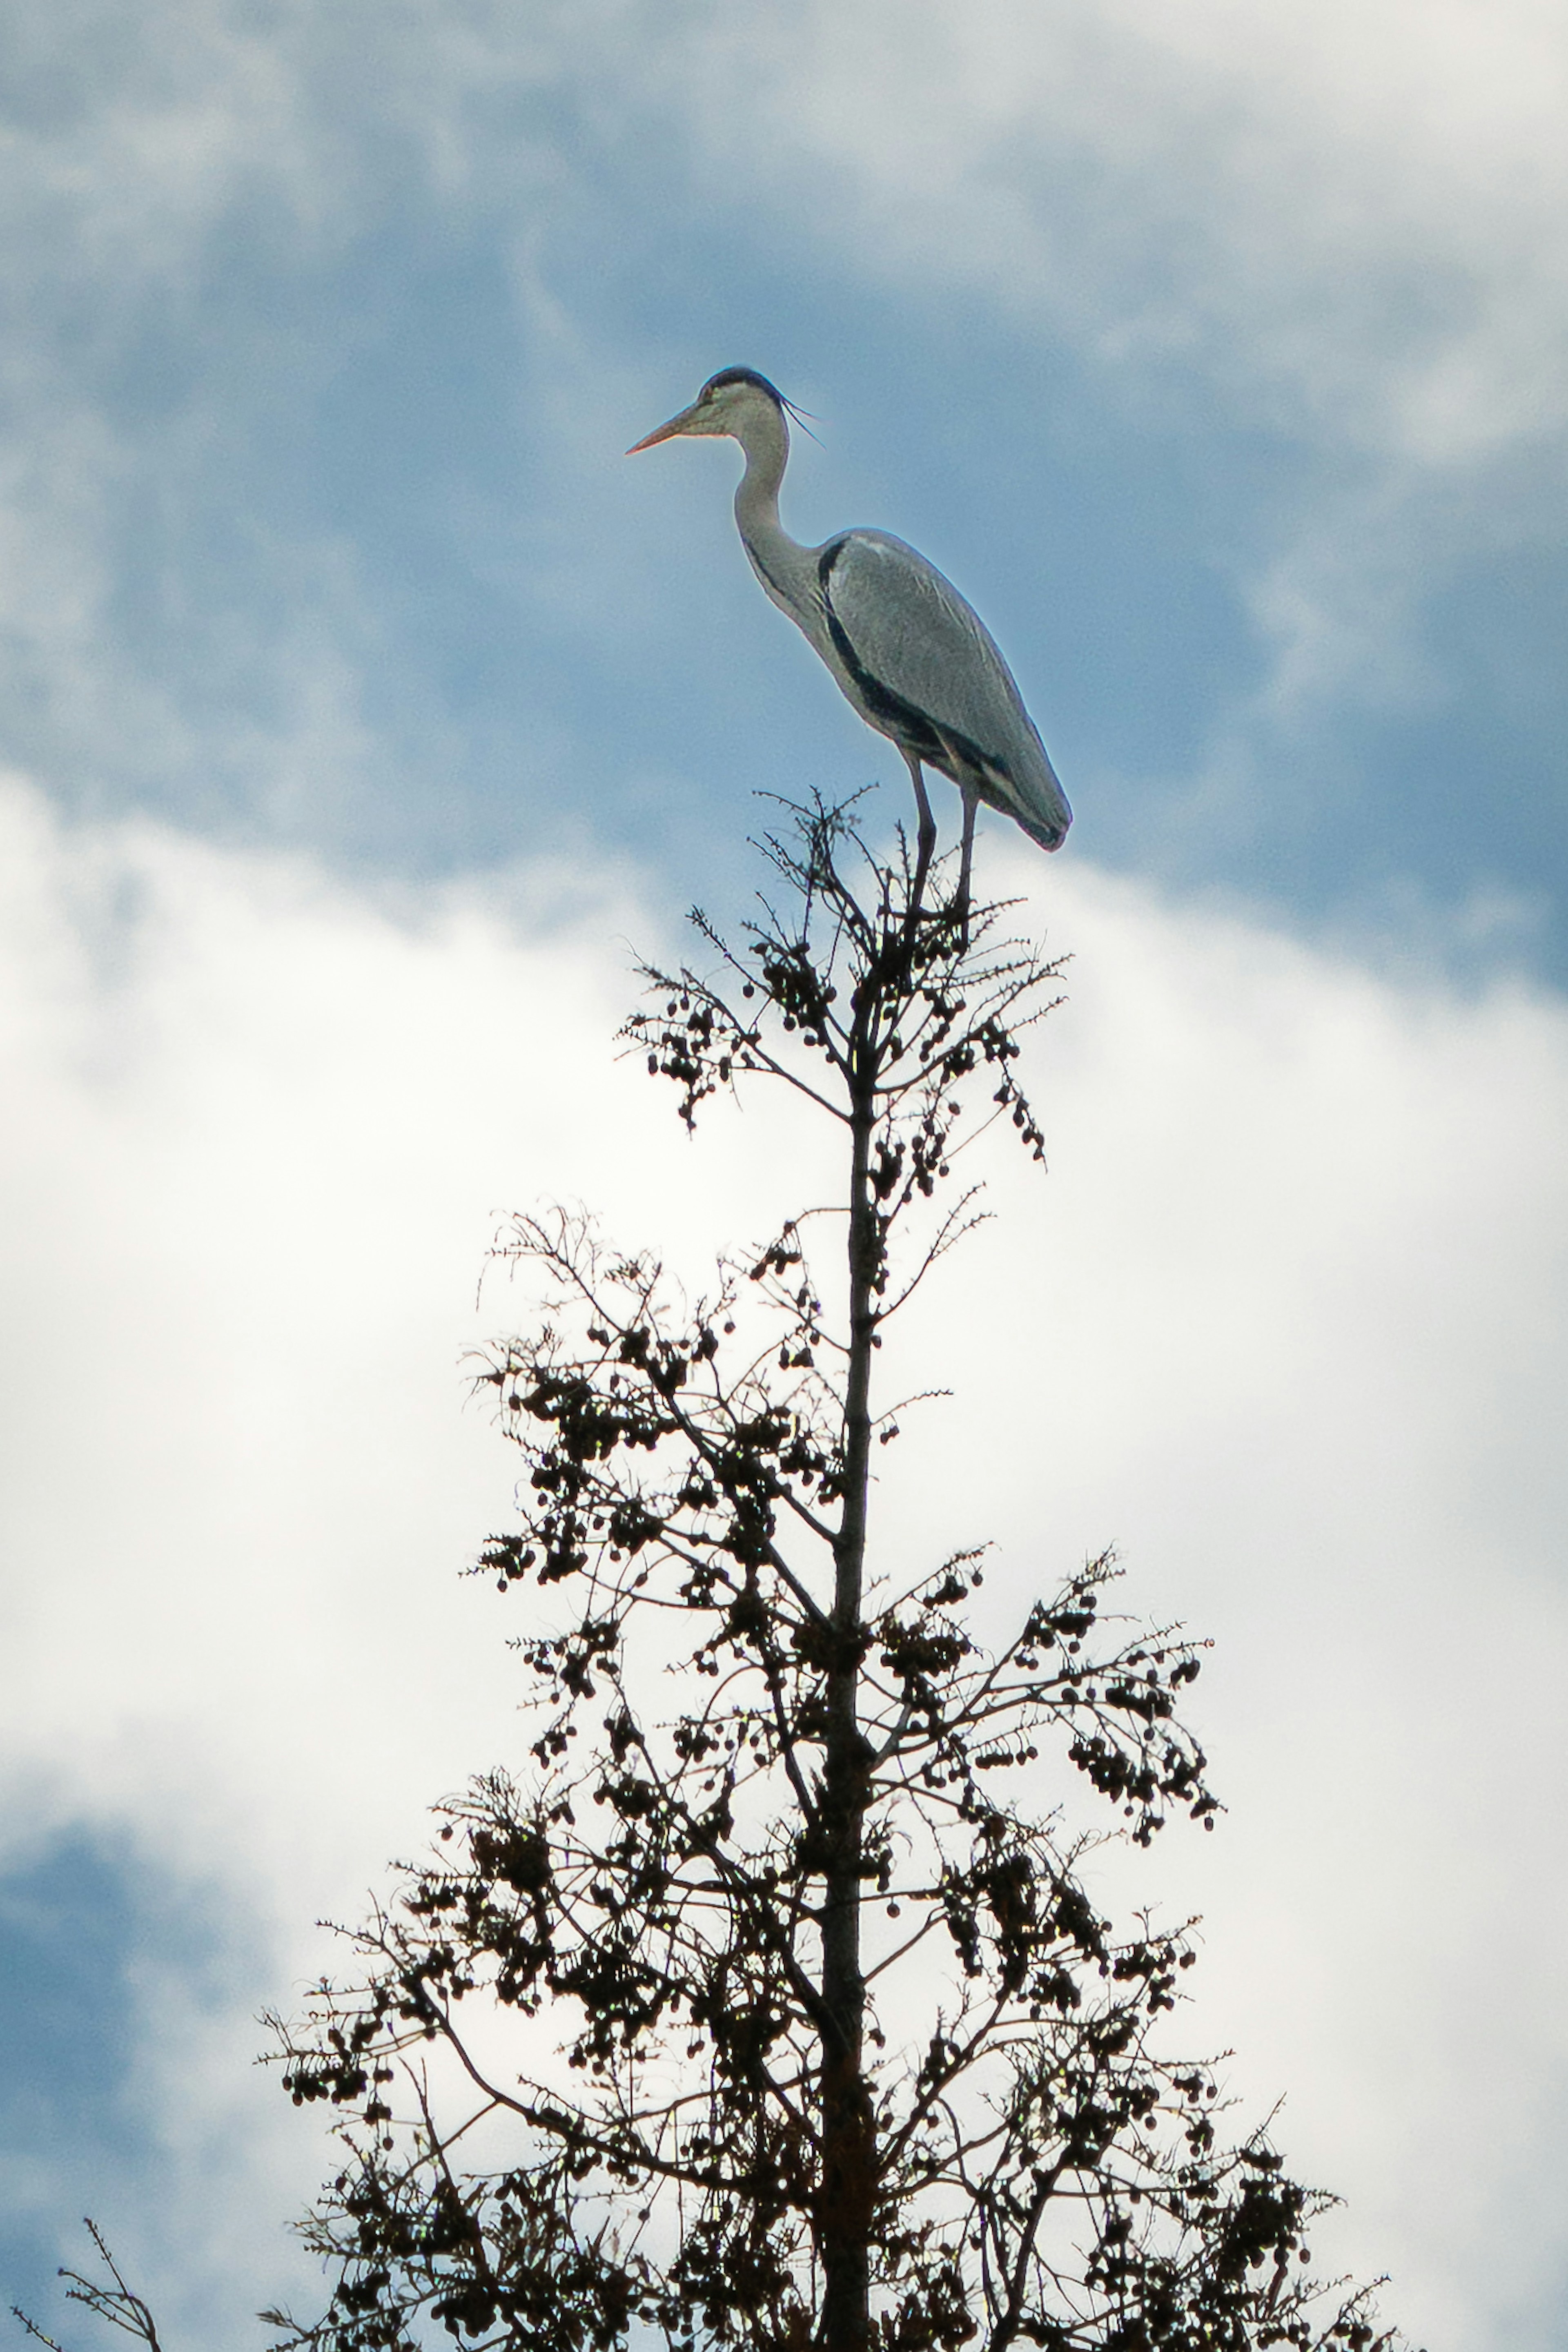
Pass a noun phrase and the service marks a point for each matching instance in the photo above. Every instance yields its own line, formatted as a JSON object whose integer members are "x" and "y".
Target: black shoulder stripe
{"x": 943, "y": 747}
{"x": 827, "y": 559}
{"x": 911, "y": 726}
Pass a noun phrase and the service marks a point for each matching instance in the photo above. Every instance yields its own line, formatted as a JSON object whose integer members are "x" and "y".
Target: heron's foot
{"x": 961, "y": 896}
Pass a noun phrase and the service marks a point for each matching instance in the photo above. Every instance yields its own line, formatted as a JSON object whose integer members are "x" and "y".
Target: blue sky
{"x": 360, "y": 701}
{"x": 337, "y": 328}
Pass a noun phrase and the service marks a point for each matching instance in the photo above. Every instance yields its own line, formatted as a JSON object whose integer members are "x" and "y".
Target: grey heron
{"x": 909, "y": 652}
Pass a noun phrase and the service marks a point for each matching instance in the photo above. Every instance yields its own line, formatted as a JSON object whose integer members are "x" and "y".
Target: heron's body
{"x": 910, "y": 654}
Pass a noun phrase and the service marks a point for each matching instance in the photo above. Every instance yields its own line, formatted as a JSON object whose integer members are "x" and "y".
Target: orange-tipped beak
{"x": 663, "y": 433}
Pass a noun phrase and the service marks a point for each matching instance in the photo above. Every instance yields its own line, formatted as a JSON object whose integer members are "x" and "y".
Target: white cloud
{"x": 1295, "y": 1327}
{"x": 1286, "y": 1320}
{"x": 248, "y": 1107}
{"x": 162, "y": 173}
{"x": 135, "y": 136}
{"x": 1356, "y": 205}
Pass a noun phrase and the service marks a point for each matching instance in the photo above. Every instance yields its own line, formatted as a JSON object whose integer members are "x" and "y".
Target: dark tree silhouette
{"x": 770, "y": 2004}
{"x": 109, "y": 2298}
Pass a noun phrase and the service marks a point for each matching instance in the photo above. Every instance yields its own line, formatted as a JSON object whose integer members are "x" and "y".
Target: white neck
{"x": 782, "y": 564}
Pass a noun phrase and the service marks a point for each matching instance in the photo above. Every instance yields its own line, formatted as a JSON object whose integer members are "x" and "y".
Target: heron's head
{"x": 731, "y": 402}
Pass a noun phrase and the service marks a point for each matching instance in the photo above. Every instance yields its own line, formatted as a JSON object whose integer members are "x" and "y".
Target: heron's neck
{"x": 765, "y": 441}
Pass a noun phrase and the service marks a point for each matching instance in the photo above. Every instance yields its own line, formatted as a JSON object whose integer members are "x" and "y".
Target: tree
{"x": 766, "y": 2005}
{"x": 109, "y": 2298}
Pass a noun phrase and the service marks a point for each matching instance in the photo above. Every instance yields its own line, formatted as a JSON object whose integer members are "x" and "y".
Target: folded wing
{"x": 929, "y": 672}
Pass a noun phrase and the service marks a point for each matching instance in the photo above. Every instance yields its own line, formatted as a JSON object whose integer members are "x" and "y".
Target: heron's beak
{"x": 681, "y": 424}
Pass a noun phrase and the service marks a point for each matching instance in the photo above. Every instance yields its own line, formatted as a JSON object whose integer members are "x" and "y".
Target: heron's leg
{"x": 926, "y": 831}
{"x": 971, "y": 802}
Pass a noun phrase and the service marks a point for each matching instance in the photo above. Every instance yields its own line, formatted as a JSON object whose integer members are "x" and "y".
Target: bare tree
{"x": 111, "y": 2300}
{"x": 771, "y": 2003}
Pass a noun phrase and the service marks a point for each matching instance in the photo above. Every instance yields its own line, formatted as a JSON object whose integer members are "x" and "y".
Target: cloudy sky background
{"x": 360, "y": 704}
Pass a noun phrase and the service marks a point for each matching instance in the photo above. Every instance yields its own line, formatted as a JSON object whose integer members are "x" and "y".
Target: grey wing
{"x": 931, "y": 674}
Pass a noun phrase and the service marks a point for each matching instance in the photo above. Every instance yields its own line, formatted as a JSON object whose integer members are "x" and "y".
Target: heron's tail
{"x": 1028, "y": 790}
{"x": 1050, "y": 833}
{"x": 1035, "y": 796}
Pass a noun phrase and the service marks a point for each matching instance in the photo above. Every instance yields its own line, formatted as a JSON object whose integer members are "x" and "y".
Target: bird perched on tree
{"x": 914, "y": 660}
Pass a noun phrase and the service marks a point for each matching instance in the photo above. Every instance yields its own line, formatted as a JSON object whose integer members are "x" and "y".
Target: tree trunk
{"x": 847, "y": 2123}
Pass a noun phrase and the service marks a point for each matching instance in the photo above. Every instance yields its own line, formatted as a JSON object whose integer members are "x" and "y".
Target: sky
{"x": 363, "y": 712}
